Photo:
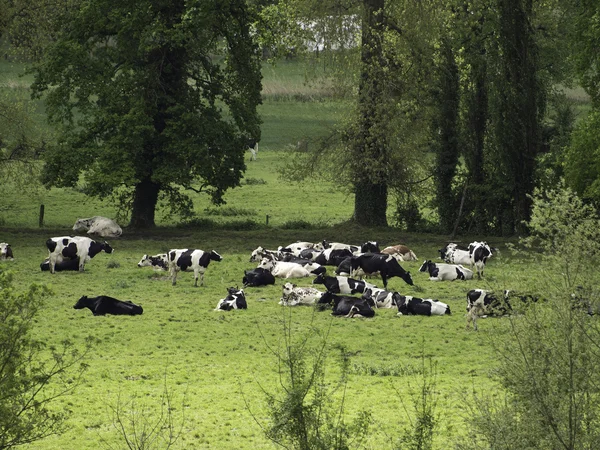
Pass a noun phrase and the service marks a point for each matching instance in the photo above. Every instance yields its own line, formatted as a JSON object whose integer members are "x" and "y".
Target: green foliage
{"x": 33, "y": 375}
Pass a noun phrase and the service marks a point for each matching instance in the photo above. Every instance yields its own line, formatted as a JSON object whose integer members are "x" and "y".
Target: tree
{"x": 29, "y": 380}
{"x": 152, "y": 98}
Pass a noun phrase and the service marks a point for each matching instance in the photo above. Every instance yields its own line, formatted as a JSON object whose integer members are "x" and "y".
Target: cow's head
{"x": 320, "y": 279}
{"x": 407, "y": 278}
{"x": 256, "y": 254}
{"x": 107, "y": 248}
{"x": 215, "y": 256}
{"x": 267, "y": 264}
{"x": 425, "y": 266}
{"x": 82, "y": 225}
{"x": 81, "y": 303}
{"x": 145, "y": 261}
{"x": 369, "y": 247}
{"x": 287, "y": 288}
{"x": 6, "y": 251}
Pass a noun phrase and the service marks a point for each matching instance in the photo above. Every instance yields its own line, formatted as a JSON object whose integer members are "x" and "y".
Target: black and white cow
{"x": 481, "y": 303}
{"x": 342, "y": 285}
{"x": 308, "y": 264}
{"x": 297, "y": 247}
{"x": 339, "y": 246}
{"x": 197, "y": 260}
{"x": 260, "y": 253}
{"x": 386, "y": 265}
{"x": 257, "y": 277}
{"x": 65, "y": 264}
{"x": 73, "y": 247}
{"x": 370, "y": 247}
{"x": 401, "y": 252}
{"x": 441, "y": 272}
{"x": 421, "y": 306}
{"x": 310, "y": 253}
{"x": 157, "y": 262}
{"x": 252, "y": 146}
{"x": 332, "y": 257}
{"x": 381, "y": 298}
{"x": 6, "y": 252}
{"x": 293, "y": 295}
{"x": 450, "y": 247}
{"x": 236, "y": 299}
{"x": 282, "y": 269}
{"x": 102, "y": 226}
{"x": 347, "y": 306}
{"x": 476, "y": 255}
{"x": 103, "y": 304}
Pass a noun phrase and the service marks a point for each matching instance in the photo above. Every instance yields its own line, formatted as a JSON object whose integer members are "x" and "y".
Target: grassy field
{"x": 215, "y": 363}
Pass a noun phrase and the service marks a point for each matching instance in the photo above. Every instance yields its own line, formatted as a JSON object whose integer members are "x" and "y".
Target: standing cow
{"x": 73, "y": 247}
{"x": 197, "y": 260}
{"x": 386, "y": 265}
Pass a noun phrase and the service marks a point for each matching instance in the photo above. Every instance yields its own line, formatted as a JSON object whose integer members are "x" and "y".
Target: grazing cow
{"x": 252, "y": 145}
{"x": 102, "y": 226}
{"x": 342, "y": 285}
{"x": 260, "y": 253}
{"x": 400, "y": 251}
{"x": 73, "y": 247}
{"x": 198, "y": 260}
{"x": 333, "y": 257}
{"x": 157, "y": 262}
{"x": 481, "y": 303}
{"x": 339, "y": 246}
{"x": 294, "y": 296}
{"x": 386, "y": 265}
{"x": 65, "y": 264}
{"x": 6, "y": 252}
{"x": 344, "y": 305}
{"x": 103, "y": 304}
{"x": 369, "y": 247}
{"x": 258, "y": 277}
{"x": 441, "y": 272}
{"x": 381, "y": 298}
{"x": 408, "y": 304}
{"x": 236, "y": 299}
{"x": 282, "y": 269}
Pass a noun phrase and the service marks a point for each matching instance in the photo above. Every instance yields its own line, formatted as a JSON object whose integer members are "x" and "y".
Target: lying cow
{"x": 386, "y": 265}
{"x": 421, "y": 306}
{"x": 339, "y": 246}
{"x": 66, "y": 264}
{"x": 103, "y": 304}
{"x": 297, "y": 247}
{"x": 342, "y": 285}
{"x": 197, "y": 260}
{"x": 369, "y": 247}
{"x": 102, "y": 226}
{"x": 257, "y": 277}
{"x": 293, "y": 295}
{"x": 401, "y": 252}
{"x": 261, "y": 253}
{"x": 6, "y": 252}
{"x": 74, "y": 247}
{"x": 347, "y": 306}
{"x": 381, "y": 298}
{"x": 282, "y": 269}
{"x": 157, "y": 262}
{"x": 236, "y": 299}
{"x": 333, "y": 256}
{"x": 481, "y": 303}
{"x": 441, "y": 272}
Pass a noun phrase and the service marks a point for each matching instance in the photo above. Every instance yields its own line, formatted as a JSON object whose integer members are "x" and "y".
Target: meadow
{"x": 218, "y": 365}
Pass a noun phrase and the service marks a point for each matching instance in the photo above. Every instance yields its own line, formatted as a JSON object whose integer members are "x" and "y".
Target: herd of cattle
{"x": 298, "y": 260}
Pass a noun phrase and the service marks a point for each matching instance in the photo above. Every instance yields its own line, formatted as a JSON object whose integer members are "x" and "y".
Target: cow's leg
{"x": 52, "y": 262}
{"x": 173, "y": 276}
{"x": 384, "y": 280}
{"x": 195, "y": 277}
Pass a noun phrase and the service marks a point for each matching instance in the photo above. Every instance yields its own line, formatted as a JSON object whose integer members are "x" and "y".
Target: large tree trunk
{"x": 371, "y": 152}
{"x": 145, "y": 199}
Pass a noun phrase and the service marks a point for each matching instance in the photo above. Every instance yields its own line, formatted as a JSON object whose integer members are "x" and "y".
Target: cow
{"x": 333, "y": 257}
{"x": 282, "y": 269}
{"x": 157, "y": 262}
{"x": 402, "y": 252}
{"x": 257, "y": 277}
{"x": 476, "y": 254}
{"x": 73, "y": 247}
{"x": 408, "y": 304}
{"x": 347, "y": 306}
{"x": 339, "y": 246}
{"x": 252, "y": 145}
{"x": 102, "y": 226}
{"x": 297, "y": 247}
{"x": 449, "y": 247}
{"x": 369, "y": 247}
{"x": 381, "y": 298}
{"x": 197, "y": 260}
{"x": 259, "y": 253}
{"x": 6, "y": 252}
{"x": 236, "y": 299}
{"x": 441, "y": 272}
{"x": 310, "y": 253}
{"x": 342, "y": 285}
{"x": 293, "y": 295}
{"x": 481, "y": 303}
{"x": 309, "y": 265}
{"x": 103, "y": 304}
{"x": 65, "y": 264}
{"x": 386, "y": 265}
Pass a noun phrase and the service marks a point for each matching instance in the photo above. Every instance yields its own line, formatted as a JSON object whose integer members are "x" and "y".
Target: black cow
{"x": 342, "y": 285}
{"x": 386, "y": 265}
{"x": 236, "y": 299}
{"x": 66, "y": 264}
{"x": 258, "y": 277}
{"x": 408, "y": 304}
{"x": 333, "y": 257}
{"x": 347, "y": 306}
{"x": 370, "y": 247}
{"x": 103, "y": 304}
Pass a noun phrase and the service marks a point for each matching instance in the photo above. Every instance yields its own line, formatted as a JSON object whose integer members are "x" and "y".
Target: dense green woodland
{"x": 402, "y": 122}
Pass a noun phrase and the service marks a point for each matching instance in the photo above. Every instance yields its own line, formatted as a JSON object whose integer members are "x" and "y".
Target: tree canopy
{"x": 151, "y": 98}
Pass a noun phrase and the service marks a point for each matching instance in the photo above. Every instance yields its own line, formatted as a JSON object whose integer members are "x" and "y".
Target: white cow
{"x": 102, "y": 226}
{"x": 294, "y": 296}
{"x": 282, "y": 269}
